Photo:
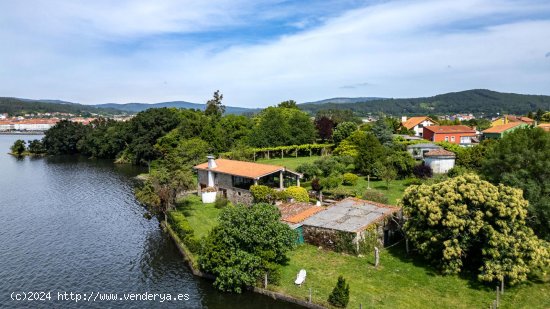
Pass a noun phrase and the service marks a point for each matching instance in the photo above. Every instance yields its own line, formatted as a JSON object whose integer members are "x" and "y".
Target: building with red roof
{"x": 459, "y": 134}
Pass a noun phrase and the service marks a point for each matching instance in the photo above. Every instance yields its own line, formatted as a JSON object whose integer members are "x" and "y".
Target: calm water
{"x": 72, "y": 225}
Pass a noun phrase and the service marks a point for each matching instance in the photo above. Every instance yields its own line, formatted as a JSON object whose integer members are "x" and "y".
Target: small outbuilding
{"x": 418, "y": 150}
{"x": 352, "y": 225}
{"x": 440, "y": 160}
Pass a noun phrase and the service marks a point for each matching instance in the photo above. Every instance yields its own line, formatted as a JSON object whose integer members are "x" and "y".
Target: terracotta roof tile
{"x": 301, "y": 216}
{"x": 450, "y": 129}
{"x": 502, "y": 128}
{"x": 242, "y": 168}
{"x": 413, "y": 121}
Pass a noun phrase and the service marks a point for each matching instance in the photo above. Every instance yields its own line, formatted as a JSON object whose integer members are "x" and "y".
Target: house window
{"x": 452, "y": 139}
{"x": 446, "y": 138}
{"x": 242, "y": 182}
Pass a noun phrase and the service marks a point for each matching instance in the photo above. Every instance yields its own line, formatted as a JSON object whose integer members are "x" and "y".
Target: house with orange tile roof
{"x": 232, "y": 179}
{"x": 511, "y": 118}
{"x": 497, "y": 132}
{"x": 417, "y": 124}
{"x": 458, "y": 134}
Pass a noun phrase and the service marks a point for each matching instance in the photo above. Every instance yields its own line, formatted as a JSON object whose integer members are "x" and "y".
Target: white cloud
{"x": 402, "y": 49}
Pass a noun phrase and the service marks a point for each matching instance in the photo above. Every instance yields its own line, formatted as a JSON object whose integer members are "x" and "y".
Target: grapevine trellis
{"x": 282, "y": 151}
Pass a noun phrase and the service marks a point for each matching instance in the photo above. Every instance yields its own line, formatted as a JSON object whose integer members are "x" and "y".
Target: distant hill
{"x": 138, "y": 107}
{"x": 344, "y": 100}
{"x": 477, "y": 101}
{"x": 16, "y": 106}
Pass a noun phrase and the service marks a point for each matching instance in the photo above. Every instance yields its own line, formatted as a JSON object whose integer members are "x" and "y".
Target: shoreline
{"x": 21, "y": 133}
{"x": 189, "y": 259}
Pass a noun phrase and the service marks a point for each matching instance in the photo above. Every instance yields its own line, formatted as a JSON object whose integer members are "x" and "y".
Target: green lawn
{"x": 201, "y": 217}
{"x": 394, "y": 192}
{"x": 289, "y": 162}
{"x": 399, "y": 282}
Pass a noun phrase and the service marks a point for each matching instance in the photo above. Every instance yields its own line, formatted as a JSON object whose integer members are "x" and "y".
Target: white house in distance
{"x": 440, "y": 160}
{"x": 417, "y": 124}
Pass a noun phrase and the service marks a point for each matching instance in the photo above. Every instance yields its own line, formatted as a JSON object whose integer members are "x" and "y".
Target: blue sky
{"x": 259, "y": 53}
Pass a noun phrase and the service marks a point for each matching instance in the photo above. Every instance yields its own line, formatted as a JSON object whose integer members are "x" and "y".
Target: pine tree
{"x": 340, "y": 294}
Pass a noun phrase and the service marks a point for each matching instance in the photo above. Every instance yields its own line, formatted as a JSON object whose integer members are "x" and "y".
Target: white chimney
{"x": 403, "y": 118}
{"x": 211, "y": 162}
{"x": 211, "y": 165}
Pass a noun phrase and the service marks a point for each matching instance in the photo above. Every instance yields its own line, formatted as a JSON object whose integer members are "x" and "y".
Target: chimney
{"x": 403, "y": 118}
{"x": 211, "y": 162}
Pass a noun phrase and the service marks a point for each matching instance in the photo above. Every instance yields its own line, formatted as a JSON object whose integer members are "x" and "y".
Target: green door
{"x": 300, "y": 239}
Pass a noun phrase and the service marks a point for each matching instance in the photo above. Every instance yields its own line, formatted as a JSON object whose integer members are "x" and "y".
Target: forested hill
{"x": 138, "y": 107}
{"x": 16, "y": 106}
{"x": 475, "y": 101}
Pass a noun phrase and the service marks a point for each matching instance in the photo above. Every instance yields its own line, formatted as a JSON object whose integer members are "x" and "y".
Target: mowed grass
{"x": 201, "y": 217}
{"x": 394, "y": 191}
{"x": 289, "y": 162}
{"x": 399, "y": 282}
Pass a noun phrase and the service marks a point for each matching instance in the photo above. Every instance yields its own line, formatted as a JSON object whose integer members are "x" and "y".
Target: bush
{"x": 340, "y": 193}
{"x": 262, "y": 194}
{"x": 423, "y": 171}
{"x": 331, "y": 182}
{"x": 299, "y": 194}
{"x": 316, "y": 184}
{"x": 340, "y": 294}
{"x": 221, "y": 202}
{"x": 309, "y": 170}
{"x": 375, "y": 196}
{"x": 350, "y": 179}
{"x": 457, "y": 171}
{"x": 412, "y": 181}
{"x": 281, "y": 195}
{"x": 183, "y": 229}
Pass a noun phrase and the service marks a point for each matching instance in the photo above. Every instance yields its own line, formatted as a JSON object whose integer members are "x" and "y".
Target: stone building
{"x": 232, "y": 179}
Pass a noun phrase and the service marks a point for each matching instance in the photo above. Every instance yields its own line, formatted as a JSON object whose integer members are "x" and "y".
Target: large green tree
{"x": 276, "y": 126}
{"x": 247, "y": 243}
{"x": 369, "y": 152}
{"x": 468, "y": 223}
{"x": 63, "y": 137}
{"x": 522, "y": 159}
{"x": 18, "y": 147}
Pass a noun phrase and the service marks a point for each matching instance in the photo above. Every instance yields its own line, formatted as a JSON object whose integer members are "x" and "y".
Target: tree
{"x": 343, "y": 130}
{"x": 465, "y": 222}
{"x": 288, "y": 104}
{"x": 276, "y": 126}
{"x": 36, "y": 147}
{"x": 422, "y": 171}
{"x": 340, "y": 294}
{"x": 383, "y": 131}
{"x": 247, "y": 243}
{"x": 522, "y": 159}
{"x": 402, "y": 163}
{"x": 63, "y": 137}
{"x": 214, "y": 106}
{"x": 539, "y": 114}
{"x": 385, "y": 172}
{"x": 338, "y": 116}
{"x": 18, "y": 147}
{"x": 324, "y": 127}
{"x": 162, "y": 186}
{"x": 545, "y": 117}
{"x": 369, "y": 151}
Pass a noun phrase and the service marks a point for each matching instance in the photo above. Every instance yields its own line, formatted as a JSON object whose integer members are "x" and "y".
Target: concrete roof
{"x": 350, "y": 215}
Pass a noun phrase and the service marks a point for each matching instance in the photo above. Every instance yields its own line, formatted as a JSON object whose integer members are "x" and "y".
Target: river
{"x": 70, "y": 224}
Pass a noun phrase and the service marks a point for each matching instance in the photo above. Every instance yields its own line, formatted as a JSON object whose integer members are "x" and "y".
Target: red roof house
{"x": 458, "y": 134}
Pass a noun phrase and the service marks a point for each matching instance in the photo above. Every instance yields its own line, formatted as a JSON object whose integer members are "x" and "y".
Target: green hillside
{"x": 475, "y": 101}
{"x": 15, "y": 106}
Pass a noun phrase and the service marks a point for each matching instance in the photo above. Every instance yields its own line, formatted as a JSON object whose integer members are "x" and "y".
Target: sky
{"x": 259, "y": 53}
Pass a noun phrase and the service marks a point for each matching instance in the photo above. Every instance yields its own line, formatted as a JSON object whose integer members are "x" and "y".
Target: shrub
{"x": 262, "y": 194}
{"x": 281, "y": 195}
{"x": 457, "y": 171}
{"x": 221, "y": 202}
{"x": 422, "y": 171}
{"x": 350, "y": 179}
{"x": 340, "y": 193}
{"x": 316, "y": 184}
{"x": 412, "y": 181}
{"x": 340, "y": 294}
{"x": 331, "y": 182}
{"x": 209, "y": 189}
{"x": 299, "y": 194}
{"x": 309, "y": 170}
{"x": 375, "y": 196}
{"x": 183, "y": 229}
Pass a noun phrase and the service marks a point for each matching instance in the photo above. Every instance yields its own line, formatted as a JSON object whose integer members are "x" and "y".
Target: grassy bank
{"x": 394, "y": 191}
{"x": 399, "y": 282}
{"x": 201, "y": 217}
